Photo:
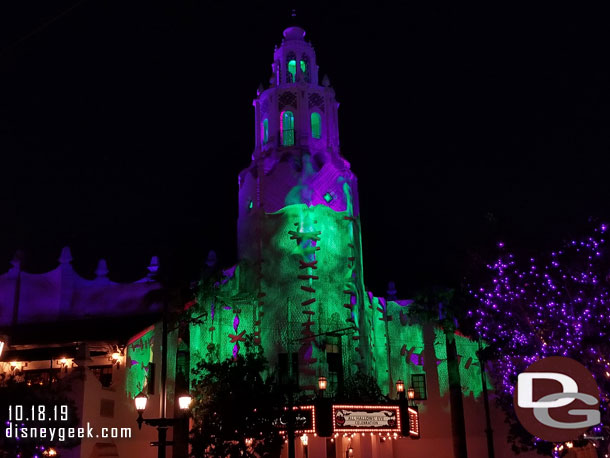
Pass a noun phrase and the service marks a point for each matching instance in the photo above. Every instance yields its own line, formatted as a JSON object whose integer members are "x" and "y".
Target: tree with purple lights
{"x": 556, "y": 303}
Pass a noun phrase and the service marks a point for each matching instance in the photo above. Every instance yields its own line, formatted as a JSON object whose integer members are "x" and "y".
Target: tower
{"x": 297, "y": 289}
{"x": 298, "y": 225}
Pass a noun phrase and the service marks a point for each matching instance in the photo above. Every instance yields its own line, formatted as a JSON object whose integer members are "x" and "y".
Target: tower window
{"x": 287, "y": 128}
{"x": 305, "y": 68}
{"x": 292, "y": 69}
{"x": 265, "y": 131}
{"x": 316, "y": 125}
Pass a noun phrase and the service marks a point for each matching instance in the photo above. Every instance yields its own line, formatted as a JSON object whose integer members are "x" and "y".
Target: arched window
{"x": 292, "y": 68}
{"x": 287, "y": 128}
{"x": 316, "y": 125}
{"x": 305, "y": 68}
{"x": 265, "y": 131}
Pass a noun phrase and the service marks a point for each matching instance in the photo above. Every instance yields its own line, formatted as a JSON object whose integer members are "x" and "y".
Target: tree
{"x": 53, "y": 394}
{"x": 444, "y": 307}
{"x": 360, "y": 388}
{"x": 235, "y": 409}
{"x": 556, "y": 303}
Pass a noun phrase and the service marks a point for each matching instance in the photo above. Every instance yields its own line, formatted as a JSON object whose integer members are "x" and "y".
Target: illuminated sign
{"x": 414, "y": 423}
{"x": 356, "y": 418}
{"x": 304, "y": 420}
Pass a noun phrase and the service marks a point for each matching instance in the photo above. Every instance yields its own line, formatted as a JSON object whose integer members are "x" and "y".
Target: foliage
{"x": 555, "y": 303}
{"x": 361, "y": 388}
{"x": 233, "y": 403}
{"x": 15, "y": 391}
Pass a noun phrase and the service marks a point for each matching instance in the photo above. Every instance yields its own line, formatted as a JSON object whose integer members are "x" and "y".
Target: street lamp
{"x": 305, "y": 441}
{"x": 140, "y": 400}
{"x": 3, "y": 343}
{"x": 162, "y": 424}
{"x": 400, "y": 386}
{"x": 411, "y": 394}
{"x": 322, "y": 384}
{"x": 184, "y": 401}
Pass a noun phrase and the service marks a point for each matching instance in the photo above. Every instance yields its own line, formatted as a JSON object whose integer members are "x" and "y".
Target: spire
{"x": 66, "y": 255}
{"x": 102, "y": 269}
{"x": 153, "y": 267}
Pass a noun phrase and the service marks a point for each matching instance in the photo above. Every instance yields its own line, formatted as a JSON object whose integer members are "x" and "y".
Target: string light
{"x": 557, "y": 303}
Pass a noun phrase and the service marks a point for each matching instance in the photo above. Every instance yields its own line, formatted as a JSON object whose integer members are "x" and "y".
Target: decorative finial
{"x": 102, "y": 268}
{"x": 17, "y": 259}
{"x": 212, "y": 259}
{"x": 66, "y": 255}
{"x": 294, "y": 12}
{"x": 153, "y": 267}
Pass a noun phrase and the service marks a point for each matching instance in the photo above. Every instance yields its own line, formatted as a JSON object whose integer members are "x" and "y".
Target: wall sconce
{"x": 322, "y": 383}
{"x": 3, "y": 343}
{"x": 411, "y": 394}
{"x": 14, "y": 365}
{"x": 400, "y": 386}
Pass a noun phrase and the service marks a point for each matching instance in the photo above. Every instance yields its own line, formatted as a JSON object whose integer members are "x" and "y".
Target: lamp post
{"x": 322, "y": 385}
{"x": 411, "y": 395}
{"x": 3, "y": 344}
{"x": 162, "y": 424}
{"x": 305, "y": 442}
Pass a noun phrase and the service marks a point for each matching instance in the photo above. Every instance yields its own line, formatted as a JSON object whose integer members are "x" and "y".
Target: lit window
{"x": 316, "y": 125}
{"x": 303, "y": 67}
{"x": 265, "y": 131}
{"x": 250, "y": 205}
{"x": 287, "y": 128}
{"x": 292, "y": 69}
{"x": 418, "y": 382}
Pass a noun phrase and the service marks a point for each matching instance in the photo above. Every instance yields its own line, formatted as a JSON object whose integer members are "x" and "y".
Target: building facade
{"x": 298, "y": 288}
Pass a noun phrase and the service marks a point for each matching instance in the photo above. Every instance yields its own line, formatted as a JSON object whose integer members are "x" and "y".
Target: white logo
{"x": 569, "y": 393}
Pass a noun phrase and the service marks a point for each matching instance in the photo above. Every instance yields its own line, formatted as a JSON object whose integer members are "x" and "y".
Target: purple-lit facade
{"x": 298, "y": 288}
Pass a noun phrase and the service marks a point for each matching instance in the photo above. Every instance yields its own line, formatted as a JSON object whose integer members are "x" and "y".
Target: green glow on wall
{"x": 316, "y": 125}
{"x": 292, "y": 68}
{"x": 265, "y": 131}
{"x": 328, "y": 197}
{"x": 287, "y": 128}
{"x": 470, "y": 369}
{"x": 139, "y": 357}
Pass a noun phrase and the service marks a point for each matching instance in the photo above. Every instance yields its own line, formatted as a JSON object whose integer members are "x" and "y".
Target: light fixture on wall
{"x": 411, "y": 394}
{"x": 400, "y": 386}
{"x": 3, "y": 344}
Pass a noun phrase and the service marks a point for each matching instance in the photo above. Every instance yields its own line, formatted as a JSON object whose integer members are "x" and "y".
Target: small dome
{"x": 294, "y": 33}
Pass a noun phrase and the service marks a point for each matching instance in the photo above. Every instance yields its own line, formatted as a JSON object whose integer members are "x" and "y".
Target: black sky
{"x": 123, "y": 126}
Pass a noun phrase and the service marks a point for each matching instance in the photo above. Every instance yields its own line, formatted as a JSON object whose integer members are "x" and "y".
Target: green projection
{"x": 265, "y": 131}
{"x": 470, "y": 368}
{"x": 292, "y": 68}
{"x": 316, "y": 125}
{"x": 139, "y": 357}
{"x": 287, "y": 128}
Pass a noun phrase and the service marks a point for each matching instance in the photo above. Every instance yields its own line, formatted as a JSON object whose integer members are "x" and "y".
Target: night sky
{"x": 123, "y": 126}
